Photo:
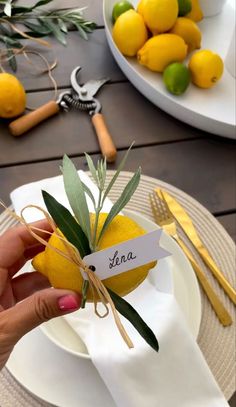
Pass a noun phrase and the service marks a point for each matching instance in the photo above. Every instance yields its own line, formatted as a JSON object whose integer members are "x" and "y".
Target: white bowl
{"x": 201, "y": 108}
{"x": 179, "y": 280}
{"x": 211, "y": 8}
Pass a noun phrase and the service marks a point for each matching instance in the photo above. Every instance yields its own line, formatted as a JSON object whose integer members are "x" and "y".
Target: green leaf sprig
{"x": 39, "y": 23}
{"x": 77, "y": 229}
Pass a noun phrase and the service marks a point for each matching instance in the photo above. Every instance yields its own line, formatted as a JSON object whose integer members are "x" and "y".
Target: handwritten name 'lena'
{"x": 117, "y": 260}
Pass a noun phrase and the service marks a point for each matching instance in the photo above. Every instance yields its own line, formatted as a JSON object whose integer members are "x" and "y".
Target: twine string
{"x": 72, "y": 254}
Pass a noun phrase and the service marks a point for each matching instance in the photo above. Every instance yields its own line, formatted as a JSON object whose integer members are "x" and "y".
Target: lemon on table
{"x": 63, "y": 274}
{"x": 206, "y": 68}
{"x": 185, "y": 6}
{"x": 12, "y": 96}
{"x": 189, "y": 31}
{"x": 176, "y": 78}
{"x": 196, "y": 13}
{"x": 159, "y": 15}
{"x": 161, "y": 50}
{"x": 120, "y": 8}
{"x": 129, "y": 33}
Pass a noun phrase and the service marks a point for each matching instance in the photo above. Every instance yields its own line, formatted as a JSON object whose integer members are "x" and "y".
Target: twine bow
{"x": 72, "y": 254}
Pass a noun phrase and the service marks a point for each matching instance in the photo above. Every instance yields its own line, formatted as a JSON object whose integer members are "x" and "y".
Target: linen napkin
{"x": 176, "y": 376}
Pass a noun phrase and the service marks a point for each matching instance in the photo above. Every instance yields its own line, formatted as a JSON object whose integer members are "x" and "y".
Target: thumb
{"x": 38, "y": 308}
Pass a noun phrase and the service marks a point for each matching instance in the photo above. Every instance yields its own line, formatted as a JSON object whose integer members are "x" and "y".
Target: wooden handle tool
{"x": 107, "y": 146}
{"x": 27, "y": 122}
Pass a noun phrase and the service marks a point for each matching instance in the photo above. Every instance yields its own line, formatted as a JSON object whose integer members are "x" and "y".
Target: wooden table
{"x": 201, "y": 164}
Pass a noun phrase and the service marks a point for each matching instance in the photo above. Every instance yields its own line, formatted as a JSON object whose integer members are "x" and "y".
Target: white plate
{"x": 212, "y": 110}
{"x": 61, "y": 333}
{"x": 58, "y": 377}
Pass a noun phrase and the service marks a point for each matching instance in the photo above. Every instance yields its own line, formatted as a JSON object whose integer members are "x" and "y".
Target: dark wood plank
{"x": 93, "y": 55}
{"x": 93, "y": 11}
{"x": 202, "y": 168}
{"x": 232, "y": 401}
{"x": 129, "y": 117}
{"x": 229, "y": 223}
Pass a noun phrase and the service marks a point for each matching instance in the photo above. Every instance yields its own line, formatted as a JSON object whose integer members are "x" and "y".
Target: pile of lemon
{"x": 161, "y": 34}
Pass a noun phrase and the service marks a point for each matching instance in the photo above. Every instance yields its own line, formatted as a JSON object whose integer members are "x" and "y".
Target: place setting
{"x": 185, "y": 325}
{"x": 117, "y": 121}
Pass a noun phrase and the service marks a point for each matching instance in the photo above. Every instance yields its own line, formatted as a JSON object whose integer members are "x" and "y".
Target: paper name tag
{"x": 126, "y": 256}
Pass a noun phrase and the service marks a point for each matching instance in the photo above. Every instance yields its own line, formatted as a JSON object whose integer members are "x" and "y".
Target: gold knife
{"x": 187, "y": 225}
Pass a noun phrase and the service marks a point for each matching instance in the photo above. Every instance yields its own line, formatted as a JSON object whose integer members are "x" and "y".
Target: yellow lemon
{"x": 12, "y": 96}
{"x": 140, "y": 7}
{"x": 162, "y": 50}
{"x": 196, "y": 13}
{"x": 159, "y": 15}
{"x": 189, "y": 31}
{"x": 206, "y": 68}
{"x": 129, "y": 33}
{"x": 64, "y": 274}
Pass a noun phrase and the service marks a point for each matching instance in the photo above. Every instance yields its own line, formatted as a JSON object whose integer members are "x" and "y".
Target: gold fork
{"x": 165, "y": 219}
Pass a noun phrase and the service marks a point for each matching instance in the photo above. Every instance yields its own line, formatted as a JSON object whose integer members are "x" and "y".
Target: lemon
{"x": 159, "y": 15}
{"x": 206, "y": 68}
{"x": 120, "y": 8}
{"x": 162, "y": 50}
{"x": 63, "y": 274}
{"x": 129, "y": 33}
{"x": 185, "y": 6}
{"x": 176, "y": 78}
{"x": 196, "y": 13}
{"x": 189, "y": 31}
{"x": 12, "y": 96}
{"x": 140, "y": 7}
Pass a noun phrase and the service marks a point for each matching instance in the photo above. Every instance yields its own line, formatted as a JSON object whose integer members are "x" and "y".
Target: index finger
{"x": 17, "y": 240}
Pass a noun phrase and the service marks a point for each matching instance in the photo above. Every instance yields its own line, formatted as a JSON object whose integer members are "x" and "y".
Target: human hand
{"x": 26, "y": 300}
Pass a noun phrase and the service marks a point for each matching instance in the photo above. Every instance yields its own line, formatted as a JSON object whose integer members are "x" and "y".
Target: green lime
{"x": 185, "y": 6}
{"x": 176, "y": 77}
{"x": 120, "y": 8}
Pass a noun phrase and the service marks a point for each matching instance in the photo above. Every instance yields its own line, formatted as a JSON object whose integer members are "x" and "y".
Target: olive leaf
{"x": 67, "y": 224}
{"x": 119, "y": 169}
{"x": 76, "y": 195}
{"x": 125, "y": 309}
{"x": 92, "y": 168}
{"x": 121, "y": 201}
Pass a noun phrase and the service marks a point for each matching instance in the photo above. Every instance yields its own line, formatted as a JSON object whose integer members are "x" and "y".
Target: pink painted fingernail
{"x": 68, "y": 303}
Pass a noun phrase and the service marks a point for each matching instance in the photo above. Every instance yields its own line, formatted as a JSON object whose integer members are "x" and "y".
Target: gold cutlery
{"x": 186, "y": 223}
{"x": 165, "y": 219}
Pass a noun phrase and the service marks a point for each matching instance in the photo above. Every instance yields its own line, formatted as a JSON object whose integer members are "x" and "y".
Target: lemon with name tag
{"x": 64, "y": 274}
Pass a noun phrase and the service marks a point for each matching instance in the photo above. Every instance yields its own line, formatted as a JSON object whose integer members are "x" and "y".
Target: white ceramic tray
{"x": 212, "y": 110}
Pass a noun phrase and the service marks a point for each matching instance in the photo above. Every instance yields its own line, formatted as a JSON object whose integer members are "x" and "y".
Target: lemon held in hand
{"x": 129, "y": 33}
{"x": 160, "y": 51}
{"x": 12, "y": 96}
{"x": 176, "y": 78}
{"x": 63, "y": 274}
{"x": 206, "y": 68}
{"x": 120, "y": 8}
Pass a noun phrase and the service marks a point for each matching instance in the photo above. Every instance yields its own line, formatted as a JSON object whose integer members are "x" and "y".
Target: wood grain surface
{"x": 201, "y": 164}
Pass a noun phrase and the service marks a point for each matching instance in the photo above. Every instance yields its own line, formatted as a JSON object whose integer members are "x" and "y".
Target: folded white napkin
{"x": 176, "y": 376}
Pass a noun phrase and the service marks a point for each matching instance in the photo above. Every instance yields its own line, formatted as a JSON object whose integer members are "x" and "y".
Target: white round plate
{"x": 212, "y": 110}
{"x": 56, "y": 375}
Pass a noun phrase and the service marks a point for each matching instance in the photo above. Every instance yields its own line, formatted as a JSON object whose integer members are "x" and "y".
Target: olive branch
{"x": 38, "y": 23}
